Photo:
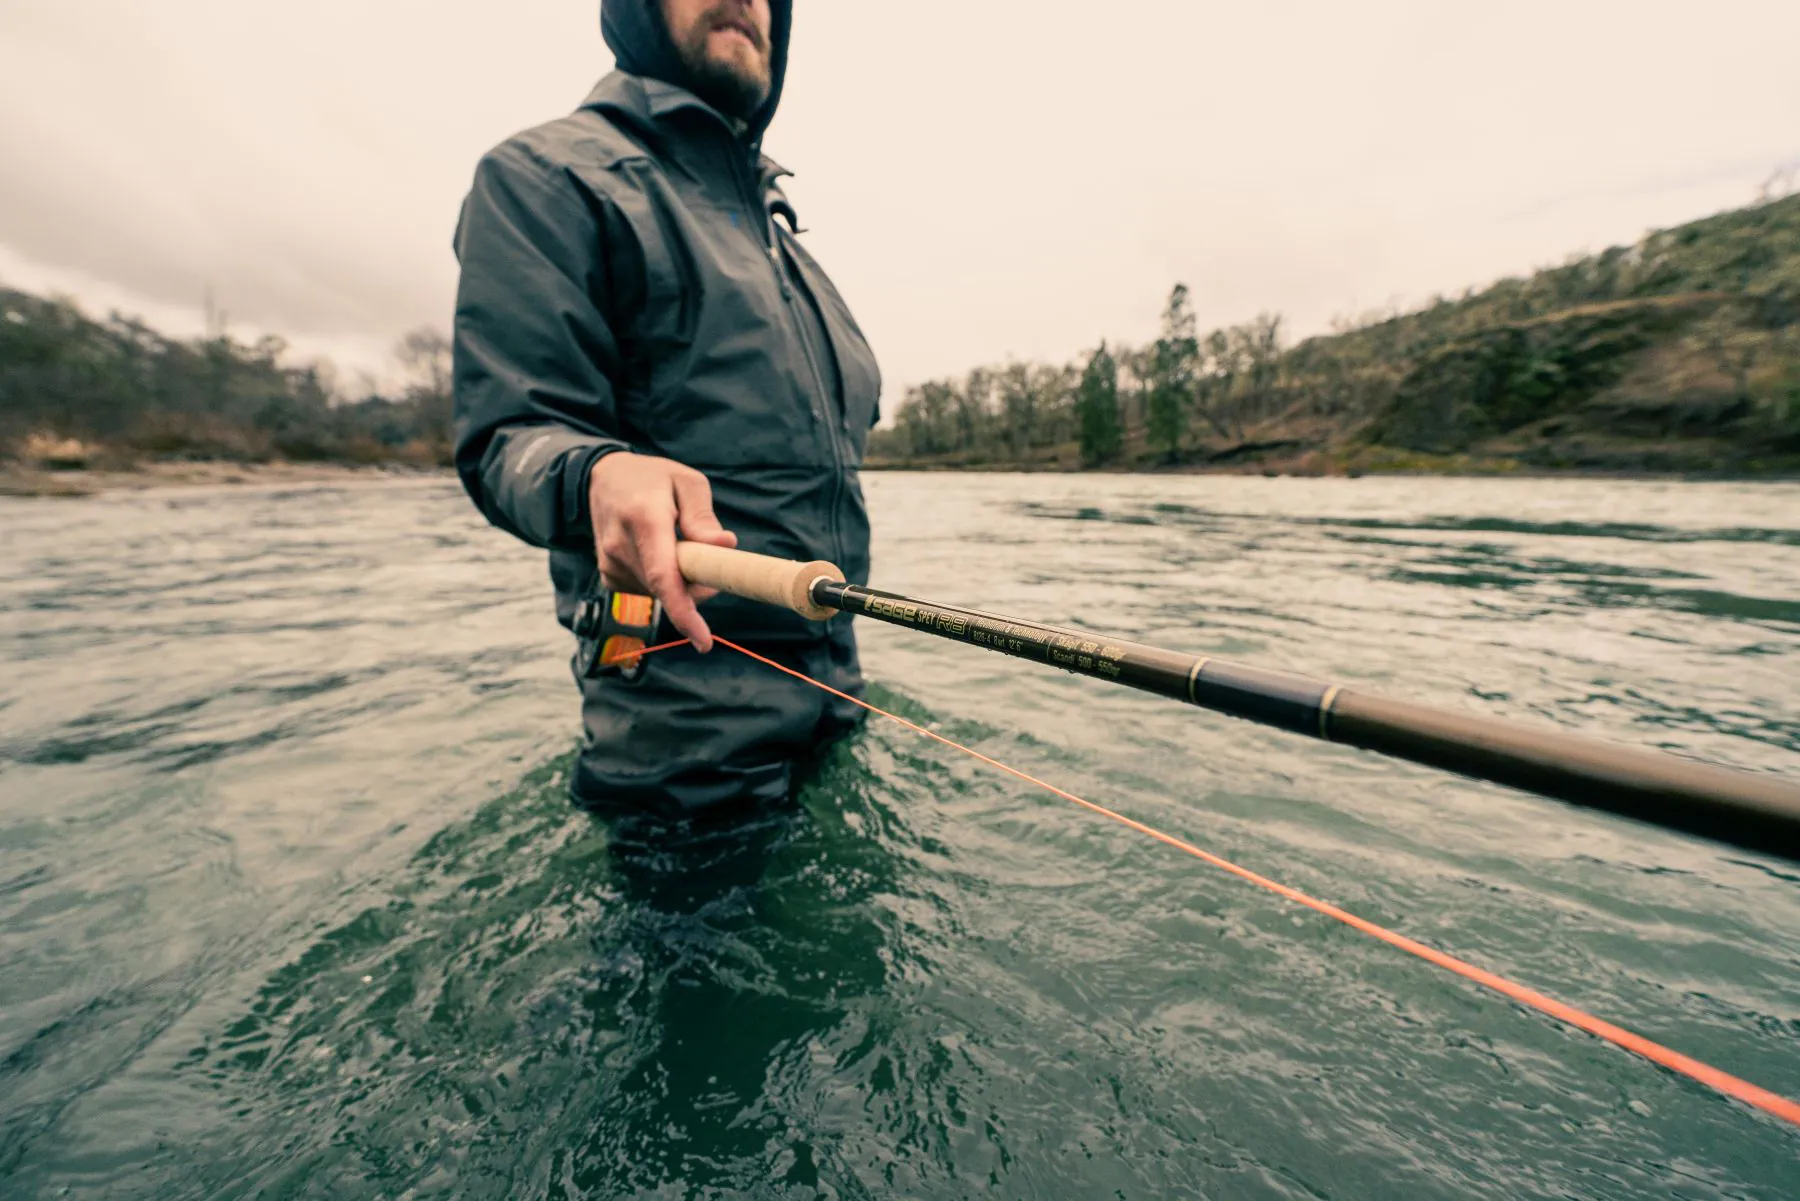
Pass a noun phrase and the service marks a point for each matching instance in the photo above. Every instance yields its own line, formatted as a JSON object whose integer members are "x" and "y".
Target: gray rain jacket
{"x": 626, "y": 285}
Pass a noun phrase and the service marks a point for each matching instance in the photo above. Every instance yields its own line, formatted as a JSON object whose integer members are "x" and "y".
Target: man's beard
{"x": 733, "y": 88}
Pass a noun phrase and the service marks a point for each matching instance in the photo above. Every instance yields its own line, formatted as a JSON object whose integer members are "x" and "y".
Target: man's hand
{"x": 636, "y": 503}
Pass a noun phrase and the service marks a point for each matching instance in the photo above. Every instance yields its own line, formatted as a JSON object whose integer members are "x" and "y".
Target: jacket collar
{"x": 647, "y": 105}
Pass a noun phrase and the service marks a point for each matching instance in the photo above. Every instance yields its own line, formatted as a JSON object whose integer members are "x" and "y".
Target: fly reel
{"x": 614, "y": 628}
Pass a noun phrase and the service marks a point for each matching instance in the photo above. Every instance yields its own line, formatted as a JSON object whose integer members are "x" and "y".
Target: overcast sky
{"x": 984, "y": 178}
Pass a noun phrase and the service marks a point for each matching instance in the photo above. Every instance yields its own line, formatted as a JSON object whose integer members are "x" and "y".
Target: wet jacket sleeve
{"x": 534, "y": 357}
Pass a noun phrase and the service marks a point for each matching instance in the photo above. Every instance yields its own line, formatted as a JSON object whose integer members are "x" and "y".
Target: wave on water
{"x": 293, "y": 902}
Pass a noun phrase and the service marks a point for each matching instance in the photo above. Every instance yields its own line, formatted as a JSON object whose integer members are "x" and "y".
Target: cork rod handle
{"x": 773, "y": 581}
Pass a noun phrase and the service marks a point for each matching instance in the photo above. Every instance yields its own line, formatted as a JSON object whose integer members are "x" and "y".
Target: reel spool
{"x": 613, "y": 627}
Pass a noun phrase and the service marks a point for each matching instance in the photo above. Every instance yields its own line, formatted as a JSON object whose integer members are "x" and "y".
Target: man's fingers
{"x": 679, "y": 608}
{"x": 658, "y": 569}
{"x": 644, "y": 501}
{"x": 616, "y": 577}
{"x": 694, "y": 508}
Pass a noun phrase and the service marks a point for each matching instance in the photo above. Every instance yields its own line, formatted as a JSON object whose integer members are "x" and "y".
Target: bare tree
{"x": 1781, "y": 182}
{"x": 425, "y": 353}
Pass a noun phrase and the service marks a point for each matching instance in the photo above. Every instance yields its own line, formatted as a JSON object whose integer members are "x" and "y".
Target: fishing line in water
{"x": 1741, "y": 1090}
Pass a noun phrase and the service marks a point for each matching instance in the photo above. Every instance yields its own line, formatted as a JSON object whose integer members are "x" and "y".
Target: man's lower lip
{"x": 734, "y": 30}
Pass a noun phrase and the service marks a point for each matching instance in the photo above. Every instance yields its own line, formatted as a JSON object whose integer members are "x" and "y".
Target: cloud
{"x": 982, "y": 180}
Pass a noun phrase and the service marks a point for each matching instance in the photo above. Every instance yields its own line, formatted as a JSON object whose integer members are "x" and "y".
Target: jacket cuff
{"x": 577, "y": 468}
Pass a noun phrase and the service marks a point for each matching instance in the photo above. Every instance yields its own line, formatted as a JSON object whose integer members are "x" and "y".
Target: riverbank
{"x": 1675, "y": 461}
{"x": 18, "y": 480}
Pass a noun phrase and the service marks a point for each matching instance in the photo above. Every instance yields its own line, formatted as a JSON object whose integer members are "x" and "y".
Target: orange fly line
{"x": 1741, "y": 1090}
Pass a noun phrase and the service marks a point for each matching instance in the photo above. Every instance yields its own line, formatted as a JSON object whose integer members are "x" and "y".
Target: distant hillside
{"x": 1681, "y": 353}
{"x": 76, "y": 392}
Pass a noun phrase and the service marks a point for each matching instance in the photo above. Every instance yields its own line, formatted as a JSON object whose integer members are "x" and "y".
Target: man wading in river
{"x": 642, "y": 349}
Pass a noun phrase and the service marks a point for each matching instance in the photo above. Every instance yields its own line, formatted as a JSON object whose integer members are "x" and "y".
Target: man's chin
{"x": 736, "y": 88}
{"x": 742, "y": 64}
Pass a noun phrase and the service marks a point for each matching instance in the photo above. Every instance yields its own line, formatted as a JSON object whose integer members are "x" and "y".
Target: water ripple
{"x": 292, "y": 903}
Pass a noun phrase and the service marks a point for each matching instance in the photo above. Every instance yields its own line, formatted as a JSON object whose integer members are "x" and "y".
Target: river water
{"x": 292, "y": 903}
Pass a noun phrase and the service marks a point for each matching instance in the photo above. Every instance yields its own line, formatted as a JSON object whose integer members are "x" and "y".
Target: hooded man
{"x": 644, "y": 351}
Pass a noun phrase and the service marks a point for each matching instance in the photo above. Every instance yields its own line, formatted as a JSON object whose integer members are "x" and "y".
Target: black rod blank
{"x": 1756, "y": 811}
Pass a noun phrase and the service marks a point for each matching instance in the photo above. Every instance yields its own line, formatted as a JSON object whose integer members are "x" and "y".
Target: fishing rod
{"x": 1751, "y": 810}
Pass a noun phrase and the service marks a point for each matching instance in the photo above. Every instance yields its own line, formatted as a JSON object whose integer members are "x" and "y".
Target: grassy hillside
{"x": 1681, "y": 353}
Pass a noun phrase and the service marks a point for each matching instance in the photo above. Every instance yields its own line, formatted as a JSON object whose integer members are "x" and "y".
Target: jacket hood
{"x": 639, "y": 38}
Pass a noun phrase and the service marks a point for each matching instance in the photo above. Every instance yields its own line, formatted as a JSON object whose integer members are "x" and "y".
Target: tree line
{"x": 115, "y": 389}
{"x": 1690, "y": 333}
{"x": 1718, "y": 298}
{"x": 1225, "y": 380}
